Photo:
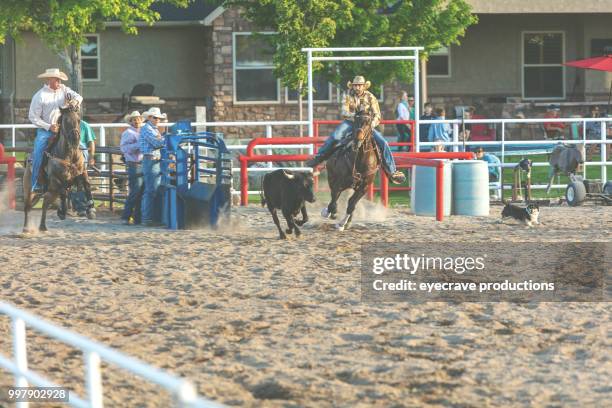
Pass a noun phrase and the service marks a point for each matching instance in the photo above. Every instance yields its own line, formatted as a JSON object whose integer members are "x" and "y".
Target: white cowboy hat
{"x": 53, "y": 73}
{"x": 155, "y": 112}
{"x": 131, "y": 116}
{"x": 359, "y": 80}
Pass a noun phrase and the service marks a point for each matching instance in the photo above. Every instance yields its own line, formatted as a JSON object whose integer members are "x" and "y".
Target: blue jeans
{"x": 40, "y": 144}
{"x": 152, "y": 178}
{"x": 132, "y": 205}
{"x": 344, "y": 129}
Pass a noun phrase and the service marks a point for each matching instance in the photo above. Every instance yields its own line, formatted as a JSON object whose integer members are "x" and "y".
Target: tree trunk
{"x": 72, "y": 59}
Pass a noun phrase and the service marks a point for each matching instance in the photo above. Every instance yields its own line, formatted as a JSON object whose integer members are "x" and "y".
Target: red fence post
{"x": 440, "y": 191}
{"x": 244, "y": 182}
{"x": 10, "y": 176}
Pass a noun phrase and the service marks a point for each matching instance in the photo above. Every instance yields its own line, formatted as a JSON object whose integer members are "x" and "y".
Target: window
{"x": 322, "y": 91}
{"x": 438, "y": 64}
{"x": 90, "y": 58}
{"x": 254, "y": 79}
{"x": 601, "y": 47}
{"x": 543, "y": 72}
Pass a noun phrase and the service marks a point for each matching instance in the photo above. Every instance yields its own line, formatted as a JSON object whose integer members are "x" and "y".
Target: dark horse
{"x": 352, "y": 165}
{"x": 65, "y": 166}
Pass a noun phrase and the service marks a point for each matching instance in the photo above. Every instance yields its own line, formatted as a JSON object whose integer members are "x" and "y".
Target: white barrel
{"x": 423, "y": 197}
{"x": 470, "y": 187}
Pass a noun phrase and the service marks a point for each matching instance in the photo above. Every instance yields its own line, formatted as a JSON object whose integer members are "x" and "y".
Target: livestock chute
{"x": 196, "y": 178}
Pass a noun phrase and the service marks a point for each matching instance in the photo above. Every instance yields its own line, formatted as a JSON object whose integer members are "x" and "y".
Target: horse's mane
{"x": 70, "y": 128}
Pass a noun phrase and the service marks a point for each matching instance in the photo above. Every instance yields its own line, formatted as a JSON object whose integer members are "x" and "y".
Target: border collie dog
{"x": 529, "y": 215}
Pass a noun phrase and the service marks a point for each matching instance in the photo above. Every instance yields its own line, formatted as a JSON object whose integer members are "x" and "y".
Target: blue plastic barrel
{"x": 423, "y": 197}
{"x": 470, "y": 187}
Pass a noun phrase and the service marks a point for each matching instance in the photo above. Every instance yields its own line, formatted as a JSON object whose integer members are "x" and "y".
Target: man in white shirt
{"x": 44, "y": 113}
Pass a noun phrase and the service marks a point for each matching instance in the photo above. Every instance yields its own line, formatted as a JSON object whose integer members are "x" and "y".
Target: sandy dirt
{"x": 255, "y": 321}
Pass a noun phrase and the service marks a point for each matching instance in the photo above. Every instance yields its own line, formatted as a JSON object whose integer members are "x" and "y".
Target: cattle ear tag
{"x": 289, "y": 176}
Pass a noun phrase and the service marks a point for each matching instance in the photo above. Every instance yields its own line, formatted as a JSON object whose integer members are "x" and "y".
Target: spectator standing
{"x": 151, "y": 141}
{"x": 440, "y": 132}
{"x": 404, "y": 113}
{"x": 593, "y": 129}
{"x": 130, "y": 147}
{"x": 424, "y": 128}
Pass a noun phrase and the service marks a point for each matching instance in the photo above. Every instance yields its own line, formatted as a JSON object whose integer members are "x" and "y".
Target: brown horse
{"x": 352, "y": 165}
{"x": 65, "y": 166}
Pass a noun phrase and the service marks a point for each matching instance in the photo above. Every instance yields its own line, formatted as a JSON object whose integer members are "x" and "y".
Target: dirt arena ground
{"x": 254, "y": 321}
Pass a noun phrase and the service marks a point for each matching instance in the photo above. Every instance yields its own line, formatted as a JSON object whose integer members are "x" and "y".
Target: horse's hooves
{"x": 283, "y": 236}
{"x": 91, "y": 215}
{"x": 61, "y": 215}
{"x": 333, "y": 217}
{"x": 289, "y": 231}
{"x": 43, "y": 229}
{"x": 28, "y": 231}
{"x": 325, "y": 213}
{"x": 340, "y": 227}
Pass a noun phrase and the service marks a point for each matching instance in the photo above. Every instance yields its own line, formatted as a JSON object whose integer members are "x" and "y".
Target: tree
{"x": 345, "y": 23}
{"x": 63, "y": 24}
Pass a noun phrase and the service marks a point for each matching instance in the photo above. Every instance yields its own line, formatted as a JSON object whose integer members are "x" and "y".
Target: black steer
{"x": 287, "y": 191}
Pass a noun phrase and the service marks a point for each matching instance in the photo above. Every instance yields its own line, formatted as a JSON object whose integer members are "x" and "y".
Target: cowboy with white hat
{"x": 359, "y": 96}
{"x": 44, "y": 111}
{"x": 151, "y": 141}
{"x": 130, "y": 147}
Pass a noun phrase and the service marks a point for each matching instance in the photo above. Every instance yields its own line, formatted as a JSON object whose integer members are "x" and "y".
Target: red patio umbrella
{"x": 602, "y": 63}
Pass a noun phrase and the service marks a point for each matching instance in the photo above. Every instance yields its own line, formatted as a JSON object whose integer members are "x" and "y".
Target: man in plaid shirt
{"x": 151, "y": 141}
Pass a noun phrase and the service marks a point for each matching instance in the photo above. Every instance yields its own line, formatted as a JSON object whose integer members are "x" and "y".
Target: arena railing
{"x": 456, "y": 144}
{"x": 94, "y": 353}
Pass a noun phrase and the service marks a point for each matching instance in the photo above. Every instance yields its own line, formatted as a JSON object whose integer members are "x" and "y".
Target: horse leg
{"x": 49, "y": 197}
{"x": 27, "y": 198}
{"x": 61, "y": 211}
{"x": 91, "y": 210}
{"x": 332, "y": 208}
{"x": 551, "y": 177}
{"x": 352, "y": 203}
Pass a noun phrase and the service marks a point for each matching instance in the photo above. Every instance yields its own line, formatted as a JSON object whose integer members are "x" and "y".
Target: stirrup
{"x": 398, "y": 177}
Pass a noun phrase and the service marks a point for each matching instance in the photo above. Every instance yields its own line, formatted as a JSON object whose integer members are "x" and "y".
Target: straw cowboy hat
{"x": 53, "y": 73}
{"x": 128, "y": 118}
{"x": 155, "y": 112}
{"x": 357, "y": 81}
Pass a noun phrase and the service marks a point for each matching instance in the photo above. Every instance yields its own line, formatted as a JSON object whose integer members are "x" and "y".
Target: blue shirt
{"x": 424, "y": 128}
{"x": 150, "y": 143}
{"x": 439, "y": 132}
{"x": 492, "y": 159}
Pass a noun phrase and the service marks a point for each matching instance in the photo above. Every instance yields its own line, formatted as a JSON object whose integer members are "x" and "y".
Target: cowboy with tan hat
{"x": 359, "y": 96}
{"x": 44, "y": 111}
{"x": 151, "y": 141}
{"x": 130, "y": 147}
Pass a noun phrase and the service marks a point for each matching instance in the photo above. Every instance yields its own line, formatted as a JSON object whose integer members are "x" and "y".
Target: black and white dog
{"x": 529, "y": 215}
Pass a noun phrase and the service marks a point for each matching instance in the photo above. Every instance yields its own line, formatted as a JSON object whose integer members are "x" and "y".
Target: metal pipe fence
{"x": 94, "y": 353}
{"x": 502, "y": 139}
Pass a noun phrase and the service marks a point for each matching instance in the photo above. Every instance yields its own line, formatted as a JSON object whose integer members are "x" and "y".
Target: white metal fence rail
{"x": 183, "y": 391}
{"x": 456, "y": 144}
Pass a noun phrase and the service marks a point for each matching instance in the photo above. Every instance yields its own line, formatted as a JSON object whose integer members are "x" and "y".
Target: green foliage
{"x": 351, "y": 23}
{"x": 64, "y": 23}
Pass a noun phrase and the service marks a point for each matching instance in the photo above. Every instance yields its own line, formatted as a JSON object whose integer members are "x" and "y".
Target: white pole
{"x": 103, "y": 143}
{"x": 94, "y": 379}
{"x": 310, "y": 103}
{"x": 455, "y": 136}
{"x": 269, "y": 135}
{"x": 20, "y": 353}
{"x": 13, "y": 140}
{"x": 417, "y": 101}
{"x": 603, "y": 154}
